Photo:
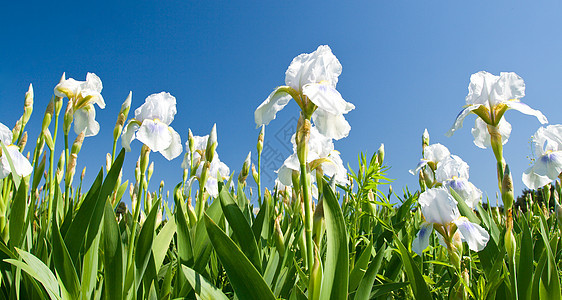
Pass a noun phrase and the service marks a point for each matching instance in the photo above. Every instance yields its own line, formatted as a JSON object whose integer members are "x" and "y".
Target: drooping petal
{"x": 473, "y": 234}
{"x": 452, "y": 166}
{"x": 460, "y": 118}
{"x": 335, "y": 168}
{"x": 466, "y": 190}
{"x": 421, "y": 241}
{"x": 327, "y": 98}
{"x": 481, "y": 134}
{"x": 212, "y": 186}
{"x": 128, "y": 135}
{"x": 332, "y": 126}
{"x": 524, "y": 108}
{"x": 175, "y": 148}
{"x": 545, "y": 170}
{"x": 438, "y": 206}
{"x": 320, "y": 65}
{"x": 21, "y": 164}
{"x": 421, "y": 164}
{"x": 85, "y": 120}
{"x": 161, "y": 106}
{"x": 5, "y": 134}
{"x": 155, "y": 135}
{"x": 319, "y": 143}
{"x": 267, "y": 111}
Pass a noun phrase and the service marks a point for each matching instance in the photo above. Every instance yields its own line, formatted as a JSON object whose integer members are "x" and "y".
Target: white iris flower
{"x": 432, "y": 155}
{"x": 84, "y": 94}
{"x": 21, "y": 164}
{"x": 311, "y": 76}
{"x": 151, "y": 126}
{"x": 439, "y": 208}
{"x": 547, "y": 148}
{"x": 452, "y": 172}
{"x": 489, "y": 96}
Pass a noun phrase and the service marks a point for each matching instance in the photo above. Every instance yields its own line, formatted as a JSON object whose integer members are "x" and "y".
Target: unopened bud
{"x": 317, "y": 220}
{"x": 77, "y": 145}
{"x": 211, "y": 144}
{"x": 23, "y": 141}
{"x": 71, "y": 169}
{"x": 301, "y": 138}
{"x": 145, "y": 155}
{"x": 28, "y": 104}
{"x": 380, "y": 155}
{"x": 559, "y": 214}
{"x": 425, "y": 139}
{"x": 126, "y": 106}
{"x": 546, "y": 194}
{"x": 245, "y": 168}
{"x": 255, "y": 173}
{"x": 48, "y": 114}
{"x": 150, "y": 171}
{"x": 16, "y": 131}
{"x": 83, "y": 174}
{"x": 60, "y": 167}
{"x": 108, "y": 161}
{"x": 48, "y": 139}
{"x": 510, "y": 244}
{"x": 279, "y": 239}
{"x": 261, "y": 137}
{"x": 190, "y": 141}
{"x": 507, "y": 189}
{"x": 68, "y": 117}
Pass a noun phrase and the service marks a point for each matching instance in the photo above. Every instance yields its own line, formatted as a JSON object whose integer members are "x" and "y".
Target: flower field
{"x": 323, "y": 231}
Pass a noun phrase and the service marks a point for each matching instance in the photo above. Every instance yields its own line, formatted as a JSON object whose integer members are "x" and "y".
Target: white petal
{"x": 475, "y": 236}
{"x": 175, "y": 148}
{"x": 5, "y": 135}
{"x": 335, "y": 167}
{"x": 332, "y": 126}
{"x": 285, "y": 175}
{"x": 466, "y": 190}
{"x": 161, "y": 106}
{"x": 319, "y": 143}
{"x": 524, "y": 108}
{"x": 320, "y": 65}
{"x": 547, "y": 139}
{"x": 435, "y": 153}
{"x": 509, "y": 86}
{"x": 128, "y": 135}
{"x": 212, "y": 186}
{"x": 460, "y": 118}
{"x": 326, "y": 97}
{"x": 480, "y": 87}
{"x": 155, "y": 135}
{"x": 421, "y": 242}
{"x": 438, "y": 206}
{"x": 21, "y": 164}
{"x": 421, "y": 164}
{"x": 68, "y": 88}
{"x": 267, "y": 111}
{"x": 545, "y": 170}
{"x": 92, "y": 87}
{"x": 85, "y": 120}
{"x": 452, "y": 166}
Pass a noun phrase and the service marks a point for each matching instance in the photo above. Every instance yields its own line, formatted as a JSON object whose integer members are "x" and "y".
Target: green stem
{"x": 51, "y": 171}
{"x": 136, "y": 214}
{"x": 305, "y": 183}
{"x": 259, "y": 180}
{"x": 67, "y": 184}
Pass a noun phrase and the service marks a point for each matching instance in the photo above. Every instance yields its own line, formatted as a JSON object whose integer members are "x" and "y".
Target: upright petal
{"x": 320, "y": 65}
{"x": 267, "y": 111}
{"x": 421, "y": 242}
{"x": 155, "y": 135}
{"x": 452, "y": 166}
{"x": 161, "y": 106}
{"x": 92, "y": 87}
{"x": 175, "y": 148}
{"x": 473, "y": 234}
{"x": 509, "y": 86}
{"x": 332, "y": 126}
{"x": 480, "y": 87}
{"x": 435, "y": 153}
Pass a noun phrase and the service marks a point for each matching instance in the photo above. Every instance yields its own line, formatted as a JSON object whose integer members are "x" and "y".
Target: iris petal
{"x": 421, "y": 241}
{"x": 473, "y": 234}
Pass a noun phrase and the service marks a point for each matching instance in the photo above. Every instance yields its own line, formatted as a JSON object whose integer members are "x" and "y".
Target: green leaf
{"x": 525, "y": 266}
{"x": 360, "y": 268}
{"x": 162, "y": 243}
{"x": 184, "y": 247}
{"x": 64, "y": 266}
{"x": 366, "y": 284}
{"x": 241, "y": 228}
{"x": 17, "y": 216}
{"x": 464, "y": 209}
{"x": 38, "y": 173}
{"x": 244, "y": 278}
{"x": 336, "y": 265}
{"x": 201, "y": 244}
{"x": 38, "y": 270}
{"x": 203, "y": 288}
{"x": 113, "y": 255}
{"x": 383, "y": 289}
{"x": 416, "y": 279}
{"x": 144, "y": 244}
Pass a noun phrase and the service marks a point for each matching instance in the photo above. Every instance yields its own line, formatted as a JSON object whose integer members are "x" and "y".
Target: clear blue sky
{"x": 406, "y": 67}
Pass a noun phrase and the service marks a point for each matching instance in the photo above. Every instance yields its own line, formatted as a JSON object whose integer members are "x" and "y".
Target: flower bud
{"x": 48, "y": 139}
{"x": 126, "y": 106}
{"x": 507, "y": 189}
{"x": 48, "y": 114}
{"x": 108, "y": 161}
{"x": 77, "y": 145}
{"x": 68, "y": 117}
{"x": 23, "y": 141}
{"x": 71, "y": 169}
{"x": 546, "y": 194}
{"x": 278, "y": 237}
{"x": 245, "y": 169}
{"x": 558, "y": 209}
{"x": 83, "y": 174}
{"x": 425, "y": 139}
{"x": 145, "y": 155}
{"x": 380, "y": 155}
{"x": 211, "y": 144}
{"x": 510, "y": 244}
{"x": 16, "y": 131}
{"x": 315, "y": 284}
{"x": 60, "y": 167}
{"x": 317, "y": 221}
{"x": 28, "y": 105}
{"x": 301, "y": 138}
{"x": 261, "y": 137}
{"x": 150, "y": 171}
{"x": 255, "y": 173}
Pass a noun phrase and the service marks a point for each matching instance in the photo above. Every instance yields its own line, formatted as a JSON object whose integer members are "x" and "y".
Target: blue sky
{"x": 406, "y": 67}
